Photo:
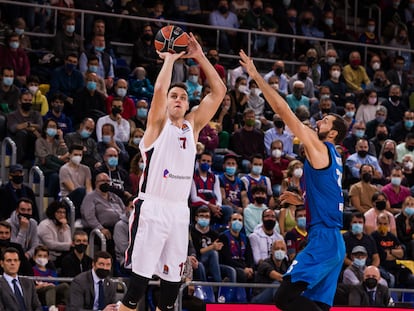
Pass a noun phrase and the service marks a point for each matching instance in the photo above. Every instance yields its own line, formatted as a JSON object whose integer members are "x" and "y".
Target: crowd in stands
{"x": 79, "y": 114}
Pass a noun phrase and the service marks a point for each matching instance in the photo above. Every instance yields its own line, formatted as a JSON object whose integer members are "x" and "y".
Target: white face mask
{"x": 275, "y": 86}
{"x": 409, "y": 165}
{"x": 41, "y": 261}
{"x": 33, "y": 89}
{"x": 336, "y": 74}
{"x": 276, "y": 153}
{"x": 76, "y": 159}
{"x": 255, "y": 91}
{"x": 243, "y": 89}
{"x": 279, "y": 254}
{"x": 298, "y": 172}
{"x": 376, "y": 66}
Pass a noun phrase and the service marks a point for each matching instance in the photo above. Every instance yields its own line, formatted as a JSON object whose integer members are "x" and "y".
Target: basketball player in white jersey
{"x": 159, "y": 225}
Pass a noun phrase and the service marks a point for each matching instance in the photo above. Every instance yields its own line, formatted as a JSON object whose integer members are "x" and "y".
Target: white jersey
{"x": 169, "y": 163}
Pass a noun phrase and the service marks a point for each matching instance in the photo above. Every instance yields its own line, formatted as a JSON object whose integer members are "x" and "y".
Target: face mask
{"x": 136, "y": 140}
{"x": 362, "y": 153}
{"x": 26, "y": 106}
{"x": 250, "y": 122}
{"x": 366, "y": 177}
{"x": 395, "y": 98}
{"x": 203, "y": 222}
{"x": 371, "y": 28}
{"x": 302, "y": 76}
{"x": 336, "y": 74}
{"x": 355, "y": 62}
{"x": 278, "y": 71}
{"x": 257, "y": 169}
{"x": 51, "y": 132}
{"x": 142, "y": 113}
{"x": 376, "y": 66}
{"x": 242, "y": 89}
{"x": 85, "y": 133}
{"x": 382, "y": 136}
{"x": 395, "y": 181}
{"x": 57, "y": 108}
{"x": 80, "y": 248}
{"x": 41, "y": 261}
{"x": 298, "y": 93}
{"x": 223, "y": 9}
{"x": 357, "y": 228}
{"x": 8, "y": 81}
{"x": 28, "y": 216}
{"x": 91, "y": 85}
{"x": 230, "y": 170}
{"x": 329, "y": 21}
{"x": 17, "y": 179}
{"x": 269, "y": 224}
{"x": 33, "y": 89}
{"x": 106, "y": 139}
{"x": 257, "y": 11}
{"x": 141, "y": 166}
{"x": 116, "y": 110}
{"x": 372, "y": 100}
{"x": 382, "y": 229}
{"x": 76, "y": 160}
{"x": 5, "y": 243}
{"x": 380, "y": 205}
{"x": 19, "y": 31}
{"x": 236, "y": 225}
{"x": 388, "y": 154}
{"x": 301, "y": 222}
{"x": 370, "y": 283}
{"x": 279, "y": 124}
{"x": 380, "y": 119}
{"x": 193, "y": 79}
{"x": 212, "y": 60}
{"x": 292, "y": 19}
{"x": 359, "y": 262}
{"x": 113, "y": 161}
{"x": 276, "y": 153}
{"x": 121, "y": 92}
{"x": 409, "y": 211}
{"x": 204, "y": 167}
{"x": 99, "y": 48}
{"x": 260, "y": 200}
{"x": 93, "y": 68}
{"x": 359, "y": 133}
{"x": 104, "y": 187}
{"x": 70, "y": 28}
{"x": 332, "y": 60}
{"x": 409, "y": 165}
{"x": 310, "y": 60}
{"x": 70, "y": 67}
{"x": 408, "y": 123}
{"x": 255, "y": 92}
{"x": 274, "y": 86}
{"x": 147, "y": 37}
{"x": 102, "y": 273}
{"x": 279, "y": 254}
{"x": 350, "y": 114}
{"x": 409, "y": 148}
{"x": 298, "y": 172}
{"x": 325, "y": 110}
{"x": 14, "y": 44}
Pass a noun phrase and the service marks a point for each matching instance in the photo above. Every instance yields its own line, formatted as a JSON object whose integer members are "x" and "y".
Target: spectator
{"x": 279, "y": 132}
{"x": 355, "y": 76}
{"x": 324, "y": 108}
{"x": 395, "y": 105}
{"x": 407, "y": 165}
{"x": 239, "y": 94}
{"x": 398, "y": 75}
{"x": 140, "y": 85}
{"x": 378, "y": 141}
{"x": 402, "y": 128}
{"x": 368, "y": 106}
{"x": 297, "y": 237}
{"x": 264, "y": 235}
{"x": 128, "y": 105}
{"x": 293, "y": 180}
{"x": 208, "y": 136}
{"x": 374, "y": 65}
{"x": 20, "y": 28}
{"x": 24, "y": 228}
{"x": 140, "y": 120}
{"x": 253, "y": 211}
{"x": 76, "y": 261}
{"x": 54, "y": 232}
{"x": 120, "y": 125}
{"x": 51, "y": 153}
{"x": 256, "y": 103}
{"x": 67, "y": 41}
{"x": 133, "y": 144}
{"x": 387, "y": 158}
{"x": 12, "y": 55}
{"x": 354, "y": 274}
{"x": 275, "y": 166}
{"x": 358, "y": 132}
{"x": 395, "y": 192}
{"x": 406, "y": 147}
{"x": 379, "y": 84}
{"x": 308, "y": 86}
{"x": 336, "y": 86}
{"x": 75, "y": 178}
{"x": 381, "y": 205}
{"x": 50, "y": 294}
{"x": 278, "y": 70}
{"x": 9, "y": 93}
{"x": 136, "y": 169}
{"x": 39, "y": 102}
{"x": 28, "y": 299}
{"x": 12, "y": 191}
{"x": 97, "y": 279}
{"x": 369, "y": 36}
{"x": 307, "y": 27}
{"x": 213, "y": 57}
{"x": 405, "y": 226}
{"x": 193, "y": 85}
{"x": 296, "y": 99}
{"x": 380, "y": 117}
{"x": 24, "y": 126}
{"x": 57, "y": 104}
{"x": 349, "y": 116}
{"x": 93, "y": 64}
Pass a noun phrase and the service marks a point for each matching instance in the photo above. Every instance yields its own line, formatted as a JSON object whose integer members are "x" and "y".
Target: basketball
{"x": 171, "y": 39}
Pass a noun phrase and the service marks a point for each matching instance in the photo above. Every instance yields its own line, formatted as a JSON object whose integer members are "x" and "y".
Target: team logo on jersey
{"x": 166, "y": 269}
{"x": 165, "y": 174}
{"x": 185, "y": 128}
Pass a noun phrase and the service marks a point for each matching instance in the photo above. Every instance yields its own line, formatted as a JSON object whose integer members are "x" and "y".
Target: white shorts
{"x": 160, "y": 245}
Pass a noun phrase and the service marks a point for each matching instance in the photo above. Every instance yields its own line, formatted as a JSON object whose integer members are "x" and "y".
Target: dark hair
{"x": 339, "y": 125}
{"x": 71, "y": 55}
{"x": 258, "y": 188}
{"x": 208, "y": 153}
{"x": 9, "y": 250}
{"x": 202, "y": 209}
{"x": 92, "y": 57}
{"x": 33, "y": 78}
{"x": 101, "y": 254}
{"x": 79, "y": 232}
{"x": 41, "y": 248}
{"x": 25, "y": 200}
{"x": 75, "y": 147}
{"x": 57, "y": 96}
{"x": 299, "y": 208}
{"x": 178, "y": 84}
{"x": 377, "y": 194}
{"x": 45, "y": 124}
{"x": 366, "y": 164}
{"x": 6, "y": 68}
{"x": 53, "y": 207}
{"x": 257, "y": 156}
{"x": 110, "y": 125}
{"x": 358, "y": 215}
{"x": 5, "y": 224}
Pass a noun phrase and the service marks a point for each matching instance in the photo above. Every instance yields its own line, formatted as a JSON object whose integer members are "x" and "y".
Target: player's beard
{"x": 322, "y": 136}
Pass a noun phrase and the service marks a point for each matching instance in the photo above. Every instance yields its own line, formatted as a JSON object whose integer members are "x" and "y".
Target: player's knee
{"x": 136, "y": 290}
{"x": 288, "y": 292}
{"x": 168, "y": 295}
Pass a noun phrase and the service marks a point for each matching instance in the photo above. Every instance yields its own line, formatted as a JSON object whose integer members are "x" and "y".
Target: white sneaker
{"x": 53, "y": 308}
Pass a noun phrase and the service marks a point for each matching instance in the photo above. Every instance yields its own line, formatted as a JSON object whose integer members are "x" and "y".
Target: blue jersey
{"x": 323, "y": 193}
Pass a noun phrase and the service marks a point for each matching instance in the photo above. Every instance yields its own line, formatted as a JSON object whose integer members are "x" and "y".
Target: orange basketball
{"x": 171, "y": 39}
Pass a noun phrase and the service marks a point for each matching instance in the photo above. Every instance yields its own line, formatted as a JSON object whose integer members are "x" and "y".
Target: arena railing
{"x": 325, "y": 43}
{"x": 7, "y": 160}
{"x": 40, "y": 191}
{"x": 101, "y": 236}
{"x": 72, "y": 212}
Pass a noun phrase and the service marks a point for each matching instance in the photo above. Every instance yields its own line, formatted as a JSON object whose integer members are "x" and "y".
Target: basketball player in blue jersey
{"x": 310, "y": 282}
{"x": 159, "y": 225}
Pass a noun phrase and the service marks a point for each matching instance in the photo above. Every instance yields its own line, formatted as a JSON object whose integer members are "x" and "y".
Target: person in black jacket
{"x": 77, "y": 261}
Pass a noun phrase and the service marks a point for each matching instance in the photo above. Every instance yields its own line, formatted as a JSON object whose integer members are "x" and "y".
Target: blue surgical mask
{"x": 70, "y": 28}
{"x": 51, "y": 132}
{"x": 360, "y": 262}
{"x": 141, "y": 166}
{"x": 91, "y": 85}
{"x": 70, "y": 67}
{"x": 409, "y": 211}
{"x": 408, "y": 123}
{"x": 301, "y": 222}
{"x": 193, "y": 79}
{"x": 113, "y": 161}
{"x": 121, "y": 92}
{"x": 257, "y": 169}
{"x": 279, "y": 254}
{"x": 230, "y": 170}
{"x": 203, "y": 222}
{"x": 380, "y": 119}
{"x": 8, "y": 81}
{"x": 395, "y": 181}
{"x": 93, "y": 68}
{"x": 357, "y": 228}
{"x": 236, "y": 225}
{"x": 106, "y": 138}
{"x": 142, "y": 113}
{"x": 350, "y": 114}
{"x": 14, "y": 44}
{"x": 136, "y": 140}
{"x": 99, "y": 48}
{"x": 359, "y": 133}
{"x": 85, "y": 133}
{"x": 19, "y": 31}
{"x": 204, "y": 167}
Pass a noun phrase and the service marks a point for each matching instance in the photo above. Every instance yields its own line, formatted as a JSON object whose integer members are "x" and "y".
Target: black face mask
{"x": 279, "y": 124}
{"x": 367, "y": 177}
{"x": 370, "y": 283}
{"x": 388, "y": 154}
{"x": 28, "y": 216}
{"x": 378, "y": 81}
{"x": 5, "y": 242}
{"x": 260, "y": 200}
{"x": 212, "y": 60}
{"x": 395, "y": 98}
{"x": 409, "y": 148}
{"x": 116, "y": 110}
{"x": 325, "y": 110}
{"x": 17, "y": 179}
{"x": 269, "y": 224}
{"x": 380, "y": 205}
{"x": 223, "y": 9}
{"x": 26, "y": 106}
{"x": 302, "y": 76}
{"x": 382, "y": 136}
{"x": 310, "y": 60}
{"x": 57, "y": 109}
{"x": 362, "y": 153}
{"x": 147, "y": 37}
{"x": 102, "y": 273}
{"x": 307, "y": 21}
{"x": 104, "y": 187}
{"x": 257, "y": 11}
{"x": 278, "y": 71}
{"x": 80, "y": 248}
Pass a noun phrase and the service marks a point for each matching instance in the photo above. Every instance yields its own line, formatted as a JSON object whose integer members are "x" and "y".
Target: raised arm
{"x": 210, "y": 103}
{"x": 314, "y": 148}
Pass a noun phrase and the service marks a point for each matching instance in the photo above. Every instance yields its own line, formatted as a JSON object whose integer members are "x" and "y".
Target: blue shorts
{"x": 319, "y": 264}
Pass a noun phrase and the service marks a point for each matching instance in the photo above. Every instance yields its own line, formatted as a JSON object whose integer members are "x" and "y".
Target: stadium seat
{"x": 204, "y": 293}
{"x": 232, "y": 294}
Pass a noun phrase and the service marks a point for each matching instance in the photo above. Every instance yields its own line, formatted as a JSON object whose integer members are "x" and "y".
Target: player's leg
{"x": 136, "y": 290}
{"x": 168, "y": 295}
